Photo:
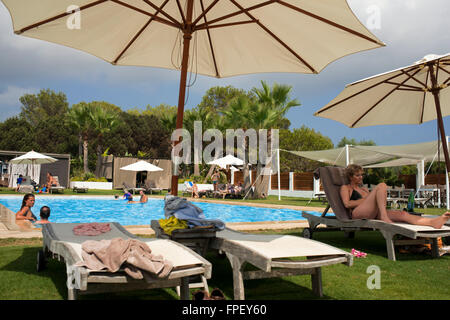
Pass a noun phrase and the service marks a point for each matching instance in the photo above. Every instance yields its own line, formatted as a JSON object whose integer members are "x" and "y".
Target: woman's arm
{"x": 345, "y": 196}
{"x": 20, "y": 215}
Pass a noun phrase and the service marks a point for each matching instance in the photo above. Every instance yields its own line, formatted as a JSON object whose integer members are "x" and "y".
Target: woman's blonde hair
{"x": 352, "y": 169}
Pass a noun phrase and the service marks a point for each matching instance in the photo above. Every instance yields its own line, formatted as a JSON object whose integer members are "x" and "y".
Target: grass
{"x": 412, "y": 277}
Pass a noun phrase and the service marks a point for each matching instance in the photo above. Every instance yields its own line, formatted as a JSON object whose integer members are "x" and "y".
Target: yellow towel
{"x": 172, "y": 223}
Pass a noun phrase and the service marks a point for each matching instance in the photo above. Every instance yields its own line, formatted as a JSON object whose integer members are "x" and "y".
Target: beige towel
{"x": 132, "y": 255}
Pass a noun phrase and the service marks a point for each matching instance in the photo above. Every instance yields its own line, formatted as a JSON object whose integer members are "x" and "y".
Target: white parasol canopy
{"x": 409, "y": 95}
{"x": 209, "y": 37}
{"x": 228, "y": 160}
{"x": 141, "y": 166}
{"x": 33, "y": 157}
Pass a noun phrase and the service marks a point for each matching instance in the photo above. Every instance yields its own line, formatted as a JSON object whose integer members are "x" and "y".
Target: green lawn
{"x": 413, "y": 276}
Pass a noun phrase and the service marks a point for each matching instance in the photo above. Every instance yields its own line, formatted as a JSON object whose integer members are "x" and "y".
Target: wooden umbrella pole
{"x": 187, "y": 35}
{"x": 435, "y": 91}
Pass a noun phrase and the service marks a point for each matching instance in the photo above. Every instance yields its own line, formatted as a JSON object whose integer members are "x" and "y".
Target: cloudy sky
{"x": 411, "y": 29}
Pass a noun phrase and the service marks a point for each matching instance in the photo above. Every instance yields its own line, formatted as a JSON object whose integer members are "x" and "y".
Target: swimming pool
{"x": 79, "y": 209}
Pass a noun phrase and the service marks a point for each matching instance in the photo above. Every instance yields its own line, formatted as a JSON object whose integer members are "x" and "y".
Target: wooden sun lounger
{"x": 332, "y": 179}
{"x": 60, "y": 242}
{"x": 272, "y": 253}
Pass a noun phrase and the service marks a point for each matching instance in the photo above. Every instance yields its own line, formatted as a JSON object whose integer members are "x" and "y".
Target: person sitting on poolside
{"x": 195, "y": 191}
{"x": 43, "y": 190}
{"x": 44, "y": 214}
{"x": 25, "y": 212}
{"x": 365, "y": 204}
{"x": 143, "y": 199}
{"x": 51, "y": 182}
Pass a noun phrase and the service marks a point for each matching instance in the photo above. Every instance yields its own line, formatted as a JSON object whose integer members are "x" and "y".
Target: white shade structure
{"x": 228, "y": 160}
{"x": 141, "y": 166}
{"x": 208, "y": 37}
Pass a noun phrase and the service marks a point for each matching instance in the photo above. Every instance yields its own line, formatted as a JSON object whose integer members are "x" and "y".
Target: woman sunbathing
{"x": 364, "y": 204}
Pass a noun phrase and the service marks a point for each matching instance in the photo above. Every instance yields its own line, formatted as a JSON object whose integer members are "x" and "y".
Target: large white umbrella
{"x": 33, "y": 158}
{"x": 228, "y": 160}
{"x": 141, "y": 166}
{"x": 409, "y": 95}
{"x": 209, "y": 37}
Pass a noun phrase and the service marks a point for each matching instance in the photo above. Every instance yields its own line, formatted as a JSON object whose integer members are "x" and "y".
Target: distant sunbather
{"x": 364, "y": 204}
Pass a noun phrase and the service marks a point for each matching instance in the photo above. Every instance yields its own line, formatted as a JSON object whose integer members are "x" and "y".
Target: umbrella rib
{"x": 357, "y": 93}
{"x": 332, "y": 23}
{"x": 138, "y": 34}
{"x": 224, "y": 25}
{"x": 379, "y": 101}
{"x": 413, "y": 78}
{"x": 203, "y": 14}
{"x": 443, "y": 69}
{"x": 159, "y": 19}
{"x": 181, "y": 12}
{"x": 151, "y": 4}
{"x": 274, "y": 36}
{"x": 209, "y": 35}
{"x": 424, "y": 97}
{"x": 38, "y": 24}
{"x": 237, "y": 13}
{"x": 405, "y": 85}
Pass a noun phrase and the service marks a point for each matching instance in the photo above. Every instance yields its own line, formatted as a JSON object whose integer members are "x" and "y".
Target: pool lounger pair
{"x": 60, "y": 242}
{"x": 332, "y": 179}
{"x": 271, "y": 254}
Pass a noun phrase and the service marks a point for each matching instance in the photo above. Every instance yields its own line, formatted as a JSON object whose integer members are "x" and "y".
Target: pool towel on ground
{"x": 132, "y": 255}
{"x": 184, "y": 210}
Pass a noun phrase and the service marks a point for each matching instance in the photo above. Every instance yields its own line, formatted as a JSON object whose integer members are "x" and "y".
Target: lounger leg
{"x": 434, "y": 248}
{"x": 316, "y": 280}
{"x": 72, "y": 294}
{"x": 184, "y": 289}
{"x": 389, "y": 244}
{"x": 238, "y": 276}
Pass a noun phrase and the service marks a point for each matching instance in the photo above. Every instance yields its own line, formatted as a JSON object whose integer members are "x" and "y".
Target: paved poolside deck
{"x": 239, "y": 226}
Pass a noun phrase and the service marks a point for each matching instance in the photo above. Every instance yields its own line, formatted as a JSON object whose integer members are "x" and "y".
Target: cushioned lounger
{"x": 60, "y": 242}
{"x": 272, "y": 255}
{"x": 332, "y": 179}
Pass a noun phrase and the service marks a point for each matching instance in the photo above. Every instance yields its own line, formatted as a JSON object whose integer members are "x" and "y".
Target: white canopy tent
{"x": 382, "y": 157}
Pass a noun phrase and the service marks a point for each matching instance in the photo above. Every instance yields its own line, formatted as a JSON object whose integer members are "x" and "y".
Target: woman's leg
{"x": 374, "y": 205}
{"x": 403, "y": 216}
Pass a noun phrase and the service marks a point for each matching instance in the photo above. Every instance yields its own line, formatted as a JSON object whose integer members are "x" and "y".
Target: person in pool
{"x": 143, "y": 199}
{"x": 365, "y": 204}
{"x": 25, "y": 212}
{"x": 44, "y": 214}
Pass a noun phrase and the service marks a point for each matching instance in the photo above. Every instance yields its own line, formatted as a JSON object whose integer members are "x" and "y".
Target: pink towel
{"x": 91, "y": 229}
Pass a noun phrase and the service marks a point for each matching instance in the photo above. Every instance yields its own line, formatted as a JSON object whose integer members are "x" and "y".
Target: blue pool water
{"x": 102, "y": 209}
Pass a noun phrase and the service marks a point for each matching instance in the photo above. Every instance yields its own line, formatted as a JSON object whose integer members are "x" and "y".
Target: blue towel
{"x": 184, "y": 210}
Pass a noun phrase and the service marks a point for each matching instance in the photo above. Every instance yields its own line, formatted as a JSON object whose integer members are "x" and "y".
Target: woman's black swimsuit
{"x": 355, "y": 195}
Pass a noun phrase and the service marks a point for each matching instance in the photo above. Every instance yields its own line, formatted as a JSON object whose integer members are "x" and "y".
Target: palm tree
{"x": 79, "y": 117}
{"x": 104, "y": 120}
{"x": 267, "y": 112}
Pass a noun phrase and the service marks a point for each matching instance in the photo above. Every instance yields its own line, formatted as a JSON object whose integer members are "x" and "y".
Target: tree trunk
{"x": 210, "y": 172}
{"x": 85, "y": 156}
{"x": 262, "y": 182}
{"x": 98, "y": 165}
